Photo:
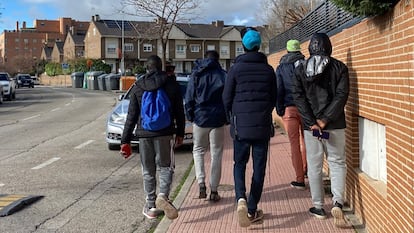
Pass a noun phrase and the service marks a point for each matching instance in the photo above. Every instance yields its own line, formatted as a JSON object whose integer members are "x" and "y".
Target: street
{"x": 53, "y": 145}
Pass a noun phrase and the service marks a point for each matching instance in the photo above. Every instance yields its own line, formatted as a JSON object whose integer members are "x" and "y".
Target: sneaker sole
{"x": 319, "y": 216}
{"x": 169, "y": 210}
{"x": 244, "y": 220}
{"x": 338, "y": 216}
{"x": 298, "y": 187}
{"x": 148, "y": 216}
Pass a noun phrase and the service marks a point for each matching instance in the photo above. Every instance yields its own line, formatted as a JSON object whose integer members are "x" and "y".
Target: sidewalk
{"x": 285, "y": 208}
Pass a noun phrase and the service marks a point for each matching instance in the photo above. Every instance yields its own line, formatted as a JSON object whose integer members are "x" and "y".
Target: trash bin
{"x": 93, "y": 79}
{"x": 112, "y": 81}
{"x": 77, "y": 79}
{"x": 102, "y": 82}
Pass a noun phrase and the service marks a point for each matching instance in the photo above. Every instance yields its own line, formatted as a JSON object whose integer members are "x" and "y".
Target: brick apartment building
{"x": 379, "y": 53}
{"x": 186, "y": 43}
{"x": 22, "y": 47}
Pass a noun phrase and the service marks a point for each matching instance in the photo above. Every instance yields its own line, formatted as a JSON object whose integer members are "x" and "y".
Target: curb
{"x": 162, "y": 227}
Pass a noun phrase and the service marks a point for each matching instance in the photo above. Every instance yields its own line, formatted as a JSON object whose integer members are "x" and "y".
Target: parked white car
{"x": 117, "y": 117}
{"x": 9, "y": 86}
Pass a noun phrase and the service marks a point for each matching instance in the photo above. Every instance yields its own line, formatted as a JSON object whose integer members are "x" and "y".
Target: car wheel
{"x": 114, "y": 146}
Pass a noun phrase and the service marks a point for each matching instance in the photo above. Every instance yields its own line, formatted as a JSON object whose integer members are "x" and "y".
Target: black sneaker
{"x": 318, "y": 213}
{"x": 338, "y": 215}
{"x": 257, "y": 217}
{"x": 298, "y": 185}
{"x": 203, "y": 191}
{"x": 214, "y": 196}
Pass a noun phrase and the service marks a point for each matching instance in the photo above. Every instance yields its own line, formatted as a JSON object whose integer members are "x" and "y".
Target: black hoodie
{"x": 321, "y": 86}
{"x": 150, "y": 82}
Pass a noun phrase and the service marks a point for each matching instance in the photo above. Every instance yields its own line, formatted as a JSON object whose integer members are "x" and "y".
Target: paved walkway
{"x": 285, "y": 208}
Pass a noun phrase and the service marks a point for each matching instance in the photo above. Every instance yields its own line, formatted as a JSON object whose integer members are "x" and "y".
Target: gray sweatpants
{"x": 334, "y": 149}
{"x": 202, "y": 139}
{"x": 156, "y": 152}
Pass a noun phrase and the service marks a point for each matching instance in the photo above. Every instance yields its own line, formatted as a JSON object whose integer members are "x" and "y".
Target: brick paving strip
{"x": 285, "y": 208}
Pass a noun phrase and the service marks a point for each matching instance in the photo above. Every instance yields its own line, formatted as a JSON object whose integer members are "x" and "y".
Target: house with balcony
{"x": 186, "y": 42}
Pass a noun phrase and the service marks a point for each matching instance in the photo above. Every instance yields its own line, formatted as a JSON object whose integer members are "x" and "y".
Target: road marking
{"x": 53, "y": 110}
{"x": 84, "y": 144}
{"x": 50, "y": 161}
{"x": 25, "y": 119}
{"x": 68, "y": 104}
{"x": 1, "y": 185}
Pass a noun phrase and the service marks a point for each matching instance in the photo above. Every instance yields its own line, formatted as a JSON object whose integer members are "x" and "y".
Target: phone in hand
{"x": 323, "y": 134}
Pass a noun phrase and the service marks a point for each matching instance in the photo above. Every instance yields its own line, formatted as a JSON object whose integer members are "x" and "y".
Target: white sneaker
{"x": 244, "y": 220}
{"x": 164, "y": 204}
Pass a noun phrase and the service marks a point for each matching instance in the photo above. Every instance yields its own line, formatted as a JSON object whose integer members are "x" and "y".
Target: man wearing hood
{"x": 204, "y": 108}
{"x": 320, "y": 93}
{"x": 155, "y": 146}
{"x": 249, "y": 98}
{"x": 285, "y": 108}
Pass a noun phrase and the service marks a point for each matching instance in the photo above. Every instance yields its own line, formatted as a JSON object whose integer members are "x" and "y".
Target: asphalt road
{"x": 52, "y": 143}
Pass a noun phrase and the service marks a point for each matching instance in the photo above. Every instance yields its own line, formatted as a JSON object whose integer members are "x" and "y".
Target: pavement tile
{"x": 285, "y": 208}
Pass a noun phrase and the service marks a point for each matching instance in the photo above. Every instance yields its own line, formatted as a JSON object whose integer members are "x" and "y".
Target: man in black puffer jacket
{"x": 249, "y": 98}
{"x": 320, "y": 92}
{"x": 155, "y": 146}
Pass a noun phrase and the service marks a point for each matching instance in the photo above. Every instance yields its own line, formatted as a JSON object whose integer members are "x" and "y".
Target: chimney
{"x": 24, "y": 24}
{"x": 218, "y": 23}
{"x": 95, "y": 18}
{"x": 17, "y": 26}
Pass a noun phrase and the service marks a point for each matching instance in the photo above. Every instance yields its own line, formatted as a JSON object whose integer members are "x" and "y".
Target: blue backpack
{"x": 155, "y": 110}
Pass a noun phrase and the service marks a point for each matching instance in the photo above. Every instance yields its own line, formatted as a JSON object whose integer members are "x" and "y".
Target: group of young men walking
{"x": 309, "y": 95}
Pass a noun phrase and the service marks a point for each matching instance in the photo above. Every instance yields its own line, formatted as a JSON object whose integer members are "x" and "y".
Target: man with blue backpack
{"x": 156, "y": 109}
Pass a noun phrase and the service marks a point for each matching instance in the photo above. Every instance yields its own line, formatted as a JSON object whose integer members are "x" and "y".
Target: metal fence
{"x": 325, "y": 18}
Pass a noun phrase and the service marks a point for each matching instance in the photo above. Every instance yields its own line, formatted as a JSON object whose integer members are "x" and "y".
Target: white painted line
{"x": 53, "y": 110}
{"x": 25, "y": 119}
{"x": 50, "y": 161}
{"x": 1, "y": 185}
{"x": 67, "y": 104}
{"x": 84, "y": 144}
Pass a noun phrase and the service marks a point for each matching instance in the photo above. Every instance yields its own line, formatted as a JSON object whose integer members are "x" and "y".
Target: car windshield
{"x": 181, "y": 81}
{"x": 3, "y": 77}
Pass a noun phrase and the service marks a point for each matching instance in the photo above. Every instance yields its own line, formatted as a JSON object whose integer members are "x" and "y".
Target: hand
{"x": 178, "y": 141}
{"x": 126, "y": 150}
{"x": 321, "y": 123}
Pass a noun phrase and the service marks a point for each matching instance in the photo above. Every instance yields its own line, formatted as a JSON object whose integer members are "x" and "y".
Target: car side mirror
{"x": 121, "y": 96}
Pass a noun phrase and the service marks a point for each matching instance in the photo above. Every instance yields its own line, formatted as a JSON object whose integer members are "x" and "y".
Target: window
{"x": 16, "y": 40}
{"x": 128, "y": 47}
{"x": 26, "y": 41}
{"x": 239, "y": 50}
{"x": 34, "y": 41}
{"x": 180, "y": 49}
{"x": 211, "y": 47}
{"x": 147, "y": 47}
{"x": 195, "y": 48}
{"x": 372, "y": 149}
{"x": 111, "y": 50}
{"x": 224, "y": 49}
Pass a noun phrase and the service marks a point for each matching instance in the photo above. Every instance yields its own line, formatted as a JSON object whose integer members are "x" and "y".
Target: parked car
{"x": 117, "y": 117}
{"x": 24, "y": 80}
{"x": 9, "y": 86}
{"x": 36, "y": 80}
{"x": 1, "y": 94}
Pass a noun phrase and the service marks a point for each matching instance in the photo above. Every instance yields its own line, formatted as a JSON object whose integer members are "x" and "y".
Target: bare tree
{"x": 165, "y": 12}
{"x": 280, "y": 15}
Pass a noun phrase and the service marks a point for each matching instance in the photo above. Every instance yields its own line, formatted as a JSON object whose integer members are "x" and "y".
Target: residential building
{"x": 22, "y": 47}
{"x": 186, "y": 42}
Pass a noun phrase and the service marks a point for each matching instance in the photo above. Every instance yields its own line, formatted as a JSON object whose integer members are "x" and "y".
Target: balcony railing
{"x": 325, "y": 18}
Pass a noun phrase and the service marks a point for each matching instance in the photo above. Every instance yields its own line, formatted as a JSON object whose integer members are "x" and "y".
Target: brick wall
{"x": 379, "y": 53}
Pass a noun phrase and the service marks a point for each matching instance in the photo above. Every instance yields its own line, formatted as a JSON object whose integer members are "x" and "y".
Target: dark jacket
{"x": 321, "y": 86}
{"x": 249, "y": 97}
{"x": 203, "y": 98}
{"x": 150, "y": 82}
{"x": 285, "y": 80}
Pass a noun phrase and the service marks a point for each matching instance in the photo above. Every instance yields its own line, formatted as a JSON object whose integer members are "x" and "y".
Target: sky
{"x": 234, "y": 12}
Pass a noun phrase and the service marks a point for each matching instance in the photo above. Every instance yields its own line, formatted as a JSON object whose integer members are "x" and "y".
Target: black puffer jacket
{"x": 321, "y": 86}
{"x": 203, "y": 99}
{"x": 150, "y": 82}
{"x": 249, "y": 97}
{"x": 285, "y": 80}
